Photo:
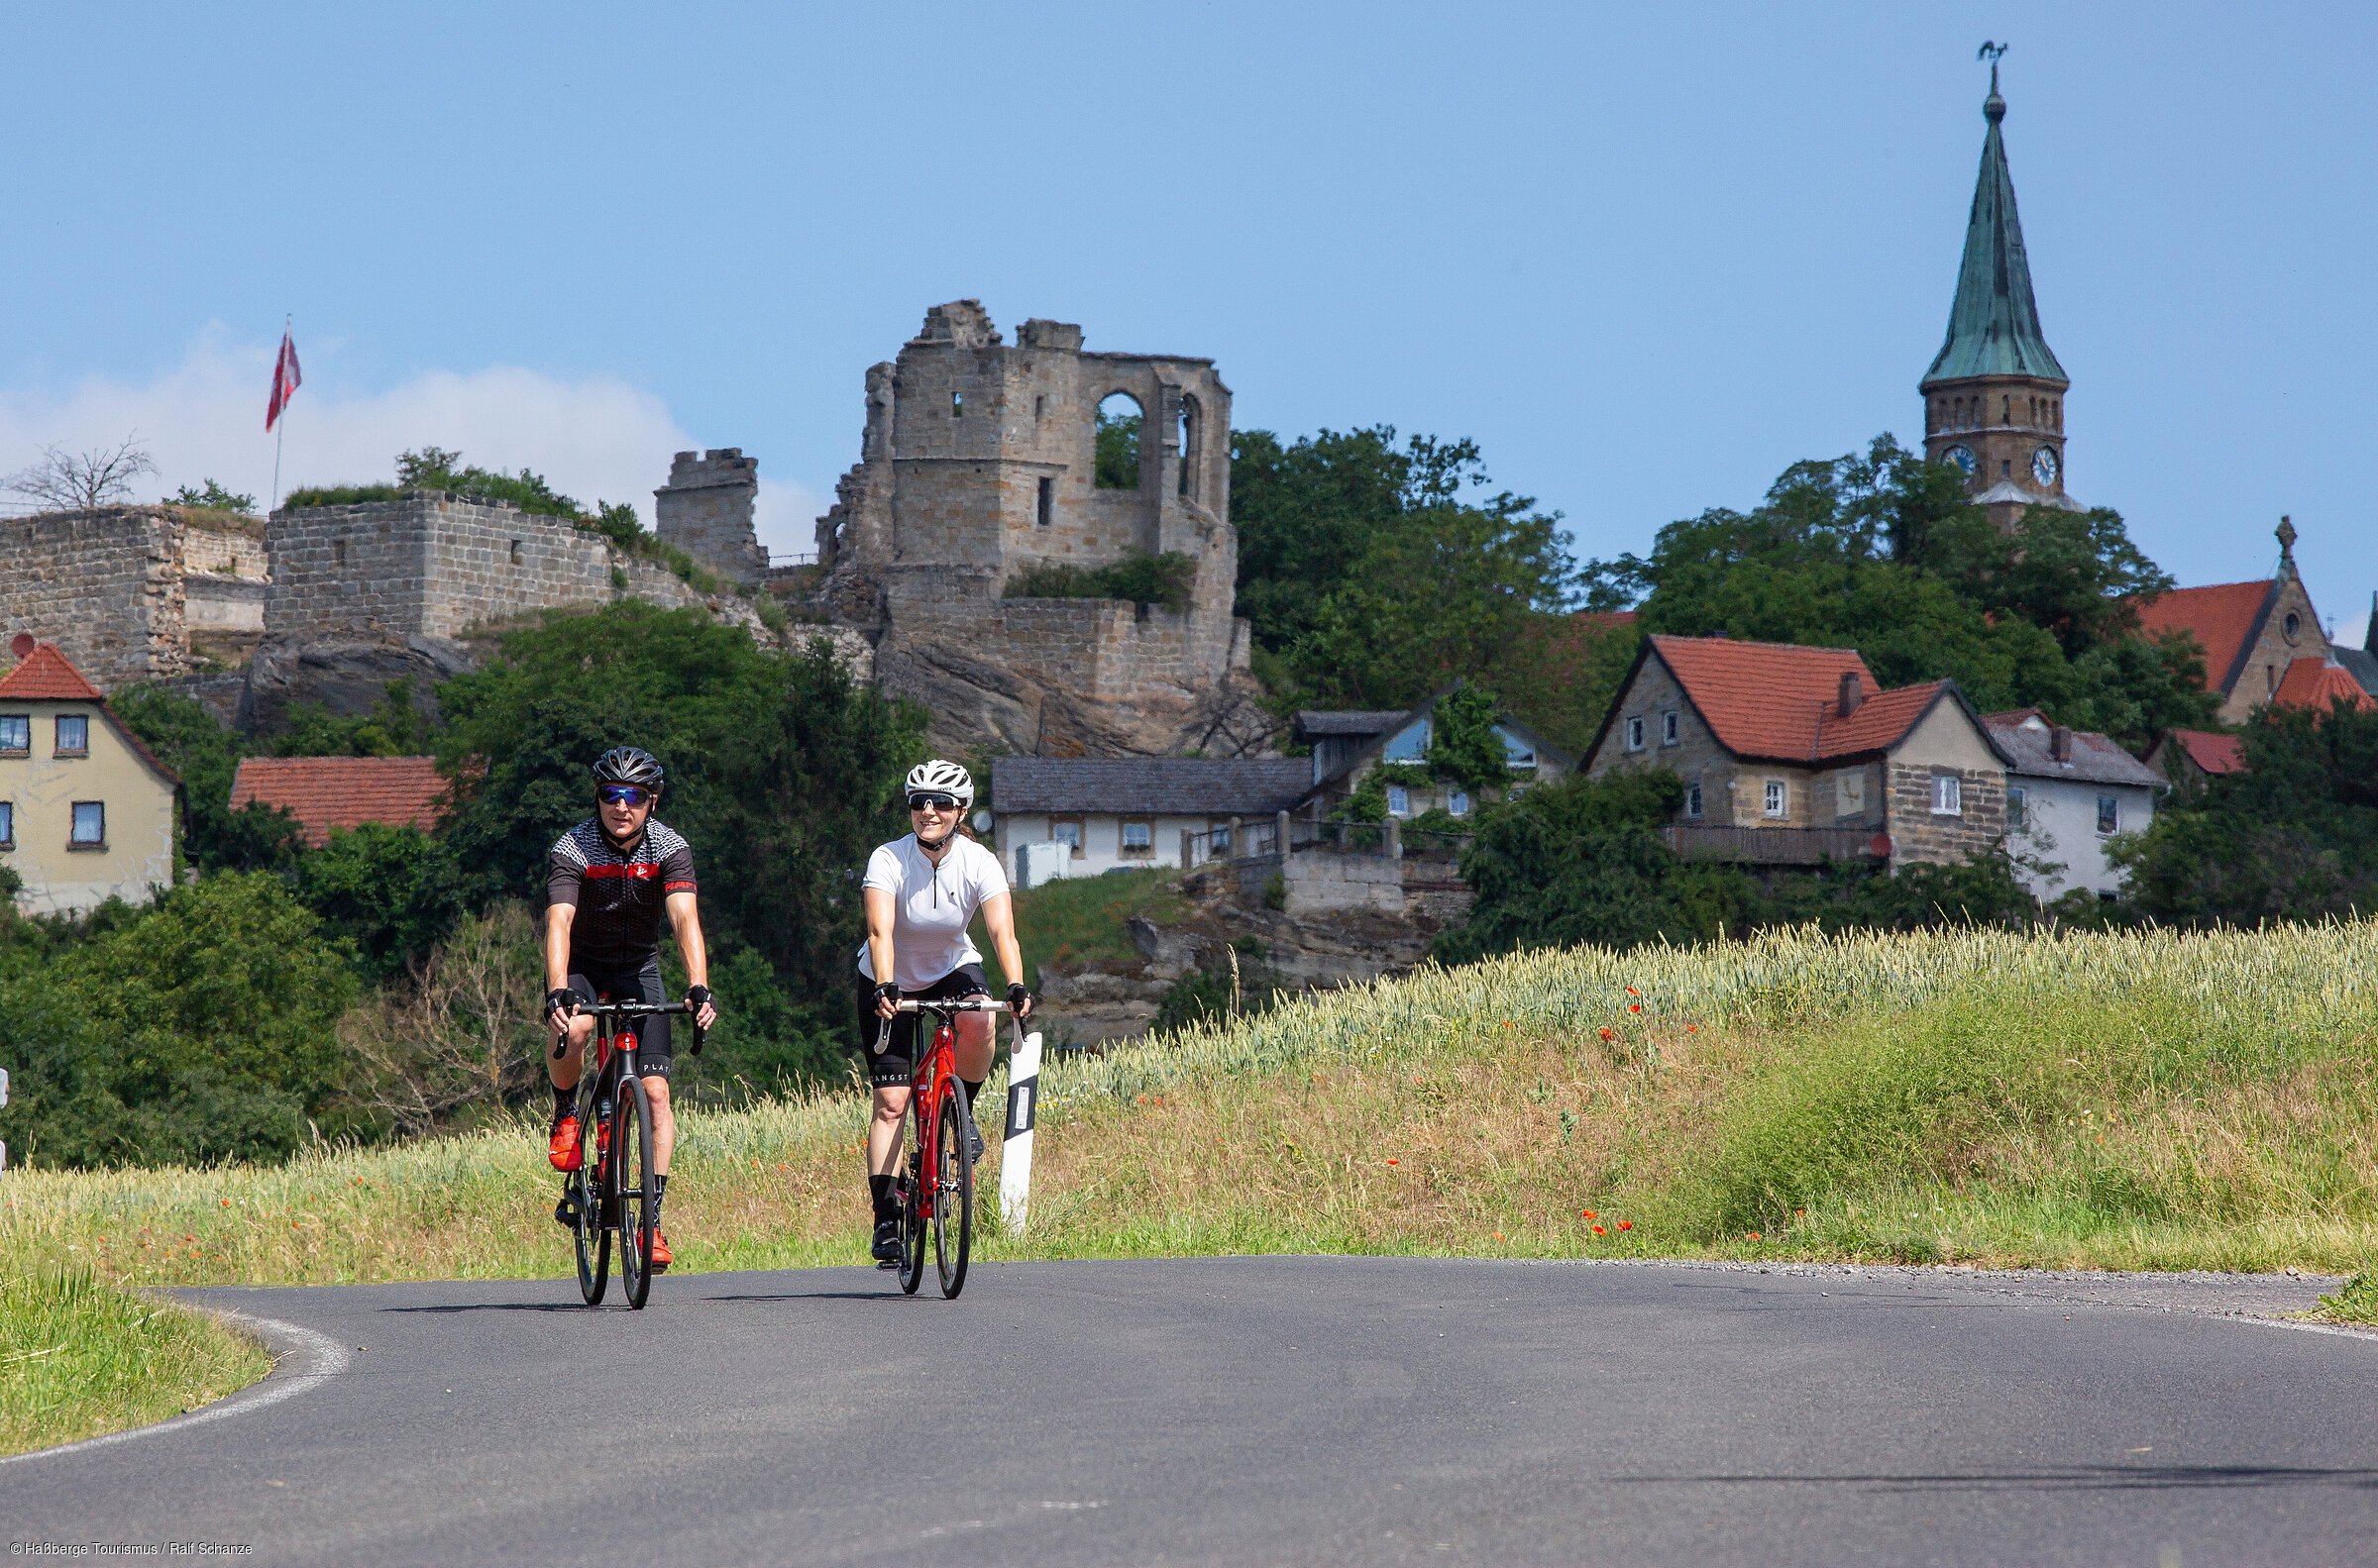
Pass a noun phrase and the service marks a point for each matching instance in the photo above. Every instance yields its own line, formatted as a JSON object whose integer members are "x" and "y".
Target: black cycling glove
{"x": 886, "y": 992}
{"x": 1020, "y": 1000}
{"x": 561, "y": 1002}
{"x": 697, "y": 997}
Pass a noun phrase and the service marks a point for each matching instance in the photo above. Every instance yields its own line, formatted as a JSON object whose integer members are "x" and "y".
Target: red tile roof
{"x": 2214, "y": 754}
{"x": 327, "y": 792}
{"x": 47, "y": 677}
{"x": 1782, "y": 701}
{"x": 2221, "y": 617}
{"x": 2316, "y": 684}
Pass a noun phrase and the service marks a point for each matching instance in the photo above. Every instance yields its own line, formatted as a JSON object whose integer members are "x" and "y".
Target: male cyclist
{"x": 921, "y": 893}
{"x": 611, "y": 882}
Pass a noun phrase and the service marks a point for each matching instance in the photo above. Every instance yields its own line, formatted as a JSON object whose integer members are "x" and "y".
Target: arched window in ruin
{"x": 1189, "y": 436}
{"x": 1120, "y": 418}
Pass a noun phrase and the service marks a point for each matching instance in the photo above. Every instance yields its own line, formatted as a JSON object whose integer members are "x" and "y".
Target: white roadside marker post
{"x": 1016, "y": 1143}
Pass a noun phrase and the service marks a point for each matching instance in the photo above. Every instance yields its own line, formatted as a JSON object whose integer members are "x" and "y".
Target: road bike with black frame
{"x": 935, "y": 1185}
{"x": 613, "y": 1191}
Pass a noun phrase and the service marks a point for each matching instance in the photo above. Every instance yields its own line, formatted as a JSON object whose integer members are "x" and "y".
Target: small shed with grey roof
{"x": 1126, "y": 813}
{"x": 2068, "y": 794}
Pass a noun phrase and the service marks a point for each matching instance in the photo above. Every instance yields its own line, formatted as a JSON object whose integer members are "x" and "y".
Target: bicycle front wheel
{"x": 954, "y": 1190}
{"x": 915, "y": 1201}
{"x": 632, "y": 1170}
{"x": 587, "y": 1195}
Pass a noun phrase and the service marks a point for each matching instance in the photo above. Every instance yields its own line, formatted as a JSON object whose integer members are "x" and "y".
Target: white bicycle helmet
{"x": 941, "y": 777}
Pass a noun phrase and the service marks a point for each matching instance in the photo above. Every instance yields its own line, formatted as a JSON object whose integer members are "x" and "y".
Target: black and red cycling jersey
{"x": 621, "y": 900}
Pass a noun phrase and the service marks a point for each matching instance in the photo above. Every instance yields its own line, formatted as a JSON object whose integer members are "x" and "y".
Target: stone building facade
{"x": 706, "y": 510}
{"x": 978, "y": 462}
{"x": 134, "y": 592}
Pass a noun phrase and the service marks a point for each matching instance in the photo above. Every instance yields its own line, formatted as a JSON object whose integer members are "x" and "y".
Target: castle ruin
{"x": 978, "y": 462}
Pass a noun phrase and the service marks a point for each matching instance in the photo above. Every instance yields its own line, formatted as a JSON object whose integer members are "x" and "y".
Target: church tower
{"x": 1994, "y": 398}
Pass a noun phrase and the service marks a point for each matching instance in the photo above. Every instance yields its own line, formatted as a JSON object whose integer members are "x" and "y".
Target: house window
{"x": 1779, "y": 798}
{"x": 1399, "y": 801}
{"x": 90, "y": 827}
{"x": 1045, "y": 509}
{"x": 2019, "y": 805}
{"x": 1635, "y": 733}
{"x": 1457, "y": 802}
{"x": 1068, "y": 832}
{"x": 73, "y": 736}
{"x": 8, "y": 824}
{"x": 1948, "y": 795}
{"x": 1668, "y": 727}
{"x": 1219, "y": 838}
{"x": 1139, "y": 839}
{"x": 1849, "y": 791}
{"x": 1518, "y": 755}
{"x": 1411, "y": 746}
{"x": 1692, "y": 799}
{"x": 957, "y": 405}
{"x": 2110, "y": 814}
{"x": 2293, "y": 626}
{"x": 16, "y": 734}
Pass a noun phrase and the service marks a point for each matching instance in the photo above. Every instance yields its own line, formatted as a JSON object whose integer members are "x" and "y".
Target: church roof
{"x": 2224, "y": 617}
{"x": 1994, "y": 326}
{"x": 2314, "y": 684}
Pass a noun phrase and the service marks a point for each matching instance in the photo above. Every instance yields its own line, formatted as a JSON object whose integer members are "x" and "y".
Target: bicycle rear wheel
{"x": 915, "y": 1199}
{"x": 953, "y": 1191}
{"x": 586, "y": 1194}
{"x": 632, "y": 1178}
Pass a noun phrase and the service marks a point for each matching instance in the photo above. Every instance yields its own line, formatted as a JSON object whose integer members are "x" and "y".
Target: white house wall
{"x": 1102, "y": 840}
{"x": 2061, "y": 825}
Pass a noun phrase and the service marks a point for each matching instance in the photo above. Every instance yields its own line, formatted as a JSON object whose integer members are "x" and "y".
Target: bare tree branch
{"x": 81, "y": 482}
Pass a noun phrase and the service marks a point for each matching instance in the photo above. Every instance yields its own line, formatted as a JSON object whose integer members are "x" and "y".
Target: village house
{"x": 1348, "y": 744}
{"x": 1792, "y": 754}
{"x": 327, "y": 793}
{"x": 86, "y": 813}
{"x": 2068, "y": 794}
{"x": 1080, "y": 816}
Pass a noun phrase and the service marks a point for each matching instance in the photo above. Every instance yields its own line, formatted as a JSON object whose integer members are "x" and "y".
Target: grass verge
{"x": 1079, "y": 920}
{"x": 2128, "y": 1101}
{"x": 79, "y": 1358}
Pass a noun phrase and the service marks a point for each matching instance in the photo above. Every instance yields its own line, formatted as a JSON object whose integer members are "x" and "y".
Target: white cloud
{"x": 596, "y": 438}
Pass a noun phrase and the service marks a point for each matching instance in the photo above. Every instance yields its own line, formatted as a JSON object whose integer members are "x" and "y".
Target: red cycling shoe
{"x": 562, "y": 1147}
{"x": 660, "y": 1250}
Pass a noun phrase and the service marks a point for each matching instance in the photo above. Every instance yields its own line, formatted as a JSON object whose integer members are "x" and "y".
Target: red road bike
{"x": 935, "y": 1185}
{"x": 613, "y": 1190}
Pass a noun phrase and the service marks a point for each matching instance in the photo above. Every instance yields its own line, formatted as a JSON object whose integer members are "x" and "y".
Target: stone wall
{"x": 106, "y": 587}
{"x": 1917, "y": 836}
{"x": 706, "y": 510}
{"x": 2275, "y": 646}
{"x": 978, "y": 461}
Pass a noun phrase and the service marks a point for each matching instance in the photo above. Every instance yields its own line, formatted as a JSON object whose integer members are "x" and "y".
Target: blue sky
{"x": 1646, "y": 256}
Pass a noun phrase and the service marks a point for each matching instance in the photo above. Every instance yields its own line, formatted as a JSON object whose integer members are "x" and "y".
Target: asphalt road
{"x": 1326, "y": 1410}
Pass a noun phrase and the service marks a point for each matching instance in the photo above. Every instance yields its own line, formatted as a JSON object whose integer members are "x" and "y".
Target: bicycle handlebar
{"x": 956, "y": 1005}
{"x": 633, "y": 1009}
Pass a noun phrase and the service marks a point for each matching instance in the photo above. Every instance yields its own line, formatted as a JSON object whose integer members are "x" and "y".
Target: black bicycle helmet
{"x": 628, "y": 765}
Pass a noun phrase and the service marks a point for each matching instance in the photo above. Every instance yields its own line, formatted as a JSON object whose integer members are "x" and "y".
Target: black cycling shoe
{"x": 565, "y": 1213}
{"x": 887, "y": 1244}
{"x": 974, "y": 1144}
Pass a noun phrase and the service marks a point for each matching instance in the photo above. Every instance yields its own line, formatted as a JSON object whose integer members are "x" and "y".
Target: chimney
{"x": 2060, "y": 744}
{"x": 1853, "y": 692}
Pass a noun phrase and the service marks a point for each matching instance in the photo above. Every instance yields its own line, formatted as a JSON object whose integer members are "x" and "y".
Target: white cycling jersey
{"x": 931, "y": 906}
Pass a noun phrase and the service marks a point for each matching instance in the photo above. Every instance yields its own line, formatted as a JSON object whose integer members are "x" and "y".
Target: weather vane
{"x": 1990, "y": 51}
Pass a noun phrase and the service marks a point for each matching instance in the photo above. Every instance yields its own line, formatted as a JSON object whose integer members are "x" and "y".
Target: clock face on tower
{"x": 1964, "y": 457}
{"x": 2044, "y": 464}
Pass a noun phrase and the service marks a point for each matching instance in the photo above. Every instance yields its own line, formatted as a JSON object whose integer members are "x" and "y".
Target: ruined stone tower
{"x": 1993, "y": 397}
{"x": 979, "y": 460}
{"x": 705, "y": 510}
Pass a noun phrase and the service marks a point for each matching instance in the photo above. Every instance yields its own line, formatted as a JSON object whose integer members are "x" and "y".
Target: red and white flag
{"x": 286, "y": 380}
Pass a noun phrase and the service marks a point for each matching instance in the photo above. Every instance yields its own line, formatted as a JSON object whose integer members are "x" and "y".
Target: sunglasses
{"x": 625, "y": 794}
{"x": 939, "y": 802}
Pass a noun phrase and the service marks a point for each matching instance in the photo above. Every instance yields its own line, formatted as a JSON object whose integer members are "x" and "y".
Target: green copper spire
{"x": 1994, "y": 327}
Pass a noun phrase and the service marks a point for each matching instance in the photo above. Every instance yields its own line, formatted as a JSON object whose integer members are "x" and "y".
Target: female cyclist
{"x": 920, "y": 894}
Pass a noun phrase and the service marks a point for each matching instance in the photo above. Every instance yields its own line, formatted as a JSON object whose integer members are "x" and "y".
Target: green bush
{"x": 200, "y": 1029}
{"x": 392, "y": 892}
{"x": 1164, "y": 580}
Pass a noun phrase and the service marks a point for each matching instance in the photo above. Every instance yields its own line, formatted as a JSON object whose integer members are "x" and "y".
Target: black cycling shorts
{"x": 897, "y": 1066}
{"x": 594, "y": 984}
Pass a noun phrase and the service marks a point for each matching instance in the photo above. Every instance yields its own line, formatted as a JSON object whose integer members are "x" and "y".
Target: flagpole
{"x": 281, "y": 422}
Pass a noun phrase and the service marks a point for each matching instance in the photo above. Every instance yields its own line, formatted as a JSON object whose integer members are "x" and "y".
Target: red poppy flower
{"x": 1754, "y": 1235}
{"x": 1395, "y": 1162}
{"x": 1499, "y": 1236}
{"x": 1598, "y": 1231}
{"x": 1606, "y": 1034}
{"x": 1625, "y": 1225}
{"x": 1632, "y": 992}
{"x": 1634, "y": 1006}
{"x": 1693, "y": 1028}
{"x": 1585, "y": 1213}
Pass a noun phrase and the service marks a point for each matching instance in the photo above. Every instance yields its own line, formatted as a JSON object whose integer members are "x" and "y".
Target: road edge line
{"x": 302, "y": 1360}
